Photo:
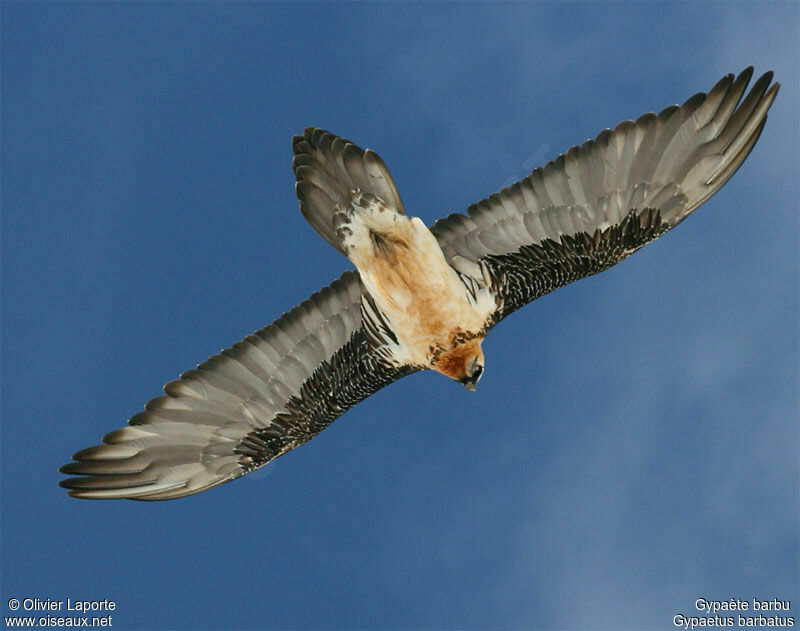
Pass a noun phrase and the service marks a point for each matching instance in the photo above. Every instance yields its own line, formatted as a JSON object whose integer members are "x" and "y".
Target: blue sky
{"x": 633, "y": 445}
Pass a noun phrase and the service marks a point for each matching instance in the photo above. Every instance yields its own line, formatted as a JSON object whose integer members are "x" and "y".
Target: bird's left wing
{"x": 600, "y": 202}
{"x": 251, "y": 403}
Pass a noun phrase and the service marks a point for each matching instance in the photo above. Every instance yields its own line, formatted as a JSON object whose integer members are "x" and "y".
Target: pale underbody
{"x": 435, "y": 319}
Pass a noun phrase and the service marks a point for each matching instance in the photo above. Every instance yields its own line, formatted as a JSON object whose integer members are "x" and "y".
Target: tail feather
{"x": 329, "y": 170}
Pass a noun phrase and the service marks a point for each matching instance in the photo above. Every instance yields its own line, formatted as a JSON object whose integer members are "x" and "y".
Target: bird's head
{"x": 464, "y": 363}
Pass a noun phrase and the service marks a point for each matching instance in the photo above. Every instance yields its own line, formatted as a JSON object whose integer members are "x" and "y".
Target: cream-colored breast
{"x": 421, "y": 295}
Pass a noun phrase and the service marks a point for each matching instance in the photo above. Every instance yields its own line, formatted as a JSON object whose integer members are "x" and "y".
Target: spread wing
{"x": 253, "y": 402}
{"x": 600, "y": 202}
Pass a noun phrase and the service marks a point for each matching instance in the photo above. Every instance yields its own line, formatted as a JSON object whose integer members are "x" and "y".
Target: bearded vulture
{"x": 421, "y": 298}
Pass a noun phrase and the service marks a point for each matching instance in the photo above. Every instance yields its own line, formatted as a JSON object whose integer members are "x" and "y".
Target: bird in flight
{"x": 421, "y": 298}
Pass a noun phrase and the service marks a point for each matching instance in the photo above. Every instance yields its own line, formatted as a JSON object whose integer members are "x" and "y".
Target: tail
{"x": 330, "y": 172}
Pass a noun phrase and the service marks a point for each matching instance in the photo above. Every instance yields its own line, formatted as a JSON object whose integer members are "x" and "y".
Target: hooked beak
{"x": 471, "y": 382}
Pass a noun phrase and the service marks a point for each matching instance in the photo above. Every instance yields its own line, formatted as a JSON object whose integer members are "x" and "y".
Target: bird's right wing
{"x": 600, "y": 202}
{"x": 251, "y": 403}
